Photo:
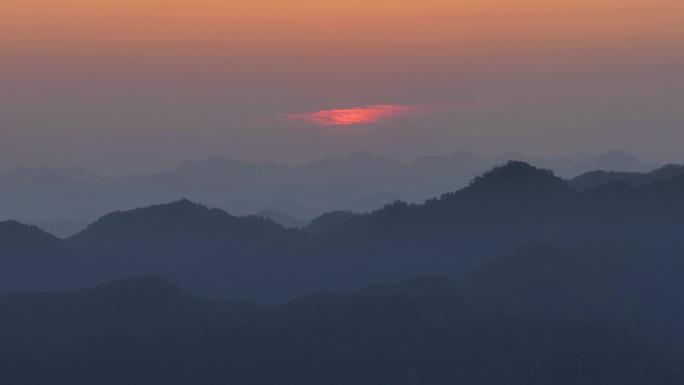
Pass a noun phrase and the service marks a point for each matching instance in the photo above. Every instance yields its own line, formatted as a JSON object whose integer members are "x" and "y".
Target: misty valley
{"x": 520, "y": 277}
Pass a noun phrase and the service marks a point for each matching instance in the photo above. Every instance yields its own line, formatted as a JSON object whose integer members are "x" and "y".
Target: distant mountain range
{"x": 596, "y": 178}
{"x": 213, "y": 253}
{"x": 63, "y": 199}
{"x": 526, "y": 280}
{"x": 422, "y": 331}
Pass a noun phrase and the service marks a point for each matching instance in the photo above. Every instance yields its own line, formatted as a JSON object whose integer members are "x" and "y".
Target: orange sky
{"x": 227, "y": 67}
{"x": 330, "y": 26}
{"x": 350, "y": 38}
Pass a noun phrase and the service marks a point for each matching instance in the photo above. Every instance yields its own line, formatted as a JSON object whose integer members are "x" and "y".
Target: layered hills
{"x": 423, "y": 331}
{"x": 210, "y": 252}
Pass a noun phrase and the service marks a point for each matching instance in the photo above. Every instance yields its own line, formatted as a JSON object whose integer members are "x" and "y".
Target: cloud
{"x": 358, "y": 115}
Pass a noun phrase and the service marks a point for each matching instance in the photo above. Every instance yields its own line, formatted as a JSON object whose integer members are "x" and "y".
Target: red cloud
{"x": 359, "y": 115}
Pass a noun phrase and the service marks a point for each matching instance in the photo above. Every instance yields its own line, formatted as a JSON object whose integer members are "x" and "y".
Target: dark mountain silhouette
{"x": 515, "y": 190}
{"x": 611, "y": 281}
{"x": 33, "y": 260}
{"x": 570, "y": 166}
{"x": 61, "y": 228}
{"x": 565, "y": 166}
{"x": 171, "y": 222}
{"x": 589, "y": 294}
{"x": 422, "y": 331}
{"x": 40, "y": 321}
{"x": 212, "y": 253}
{"x": 514, "y": 193}
{"x": 597, "y": 178}
{"x": 14, "y": 235}
{"x": 206, "y": 250}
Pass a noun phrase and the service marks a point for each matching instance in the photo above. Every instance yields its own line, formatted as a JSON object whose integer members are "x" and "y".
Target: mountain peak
{"x": 515, "y": 172}
{"x": 13, "y": 233}
{"x": 178, "y": 207}
{"x": 517, "y": 179}
{"x": 184, "y": 203}
{"x": 16, "y": 227}
{"x": 170, "y": 222}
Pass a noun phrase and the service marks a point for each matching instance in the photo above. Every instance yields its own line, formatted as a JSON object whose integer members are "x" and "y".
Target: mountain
{"x": 61, "y": 228}
{"x": 369, "y": 203}
{"x": 14, "y": 235}
{"x": 242, "y": 208}
{"x": 361, "y": 182}
{"x": 515, "y": 180}
{"x": 207, "y": 251}
{"x": 565, "y": 166}
{"x": 212, "y": 253}
{"x": 285, "y": 220}
{"x": 170, "y": 222}
{"x": 465, "y": 161}
{"x": 612, "y": 281}
{"x": 570, "y": 166}
{"x": 422, "y": 331}
{"x": 33, "y": 260}
{"x": 505, "y": 208}
{"x": 596, "y": 178}
{"x": 26, "y": 183}
{"x": 329, "y": 221}
{"x": 40, "y": 321}
{"x": 514, "y": 192}
{"x": 558, "y": 286}
{"x": 616, "y": 161}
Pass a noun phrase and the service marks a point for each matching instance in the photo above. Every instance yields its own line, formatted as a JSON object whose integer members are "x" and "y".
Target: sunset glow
{"x": 359, "y": 115}
{"x": 287, "y": 80}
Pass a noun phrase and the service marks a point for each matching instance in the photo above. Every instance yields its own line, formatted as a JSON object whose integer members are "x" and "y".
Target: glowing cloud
{"x": 359, "y": 115}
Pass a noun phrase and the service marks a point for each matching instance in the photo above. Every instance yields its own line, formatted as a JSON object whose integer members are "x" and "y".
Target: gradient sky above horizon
{"x": 141, "y": 84}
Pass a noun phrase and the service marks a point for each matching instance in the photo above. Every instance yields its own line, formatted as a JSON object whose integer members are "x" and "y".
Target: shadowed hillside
{"x": 360, "y": 183}
{"x": 597, "y": 178}
{"x": 416, "y": 332}
{"x": 209, "y": 252}
{"x": 33, "y": 260}
{"x": 612, "y": 281}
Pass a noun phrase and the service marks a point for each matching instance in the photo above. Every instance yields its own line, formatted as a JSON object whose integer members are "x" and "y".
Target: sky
{"x": 139, "y": 85}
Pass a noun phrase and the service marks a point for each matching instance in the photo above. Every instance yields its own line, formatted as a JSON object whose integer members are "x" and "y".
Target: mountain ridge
{"x": 421, "y": 331}
{"x": 210, "y": 252}
{"x": 353, "y": 183}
